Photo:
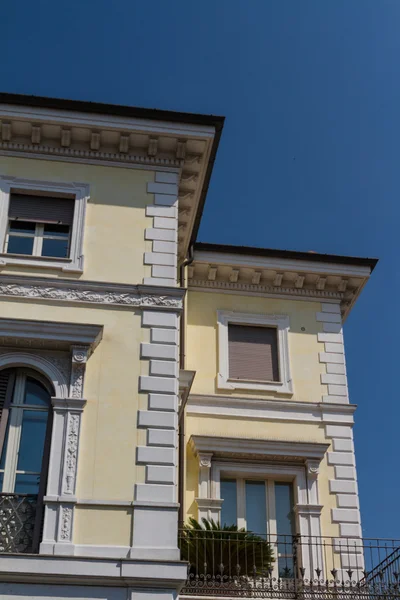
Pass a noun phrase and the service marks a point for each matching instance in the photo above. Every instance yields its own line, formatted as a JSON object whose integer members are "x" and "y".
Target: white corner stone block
{"x": 163, "y": 336}
{"x": 350, "y": 530}
{"x": 158, "y": 384}
{"x": 165, "y": 223}
{"x": 165, "y": 247}
{"x": 334, "y": 348}
{"x": 334, "y": 379}
{"x": 345, "y": 515}
{"x": 340, "y": 431}
{"x": 332, "y": 327}
{"x": 340, "y": 445}
{"x": 161, "y": 437}
{"x": 162, "y": 402}
{"x": 335, "y": 338}
{"x": 164, "y": 272}
{"x": 338, "y": 369}
{"x": 146, "y": 492}
{"x": 165, "y": 235}
{"x": 343, "y": 472}
{"x": 162, "y": 188}
{"x": 352, "y": 561}
{"x": 337, "y": 390}
{"x": 162, "y": 211}
{"x": 160, "y": 474}
{"x": 336, "y": 399}
{"x": 341, "y": 458}
{"x": 155, "y": 456}
{"x": 342, "y": 487}
{"x": 157, "y": 419}
{"x": 164, "y": 367}
{"x": 329, "y": 357}
{"x": 153, "y": 318}
{"x": 166, "y": 177}
{"x": 166, "y": 199}
{"x": 326, "y": 317}
{"x": 330, "y": 307}
{"x": 166, "y": 351}
{"x": 159, "y": 258}
{"x": 347, "y": 501}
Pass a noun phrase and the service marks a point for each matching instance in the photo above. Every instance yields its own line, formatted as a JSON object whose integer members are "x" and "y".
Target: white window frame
{"x": 80, "y": 191}
{"x": 38, "y": 236}
{"x": 282, "y": 324}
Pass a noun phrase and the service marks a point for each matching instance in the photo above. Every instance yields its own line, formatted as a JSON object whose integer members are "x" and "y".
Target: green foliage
{"x": 214, "y": 550}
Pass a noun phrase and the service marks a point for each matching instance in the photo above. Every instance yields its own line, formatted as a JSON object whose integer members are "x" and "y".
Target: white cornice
{"x": 224, "y": 446}
{"x": 278, "y": 277}
{"x": 271, "y": 410}
{"x": 90, "y": 292}
{"x": 50, "y": 134}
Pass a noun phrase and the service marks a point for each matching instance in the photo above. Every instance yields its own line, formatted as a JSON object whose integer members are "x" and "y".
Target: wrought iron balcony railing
{"x": 17, "y": 522}
{"x": 241, "y": 564}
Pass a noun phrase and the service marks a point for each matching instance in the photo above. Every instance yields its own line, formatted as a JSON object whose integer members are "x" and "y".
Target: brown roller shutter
{"x": 42, "y": 209}
{"x": 253, "y": 353}
{"x": 7, "y": 379}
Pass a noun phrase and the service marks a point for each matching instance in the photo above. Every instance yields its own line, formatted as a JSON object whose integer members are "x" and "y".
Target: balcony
{"x": 17, "y": 523}
{"x": 241, "y": 564}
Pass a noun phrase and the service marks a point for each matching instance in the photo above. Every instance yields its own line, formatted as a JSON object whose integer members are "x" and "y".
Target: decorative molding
{"x": 312, "y": 468}
{"x": 205, "y": 459}
{"x": 281, "y": 322}
{"x": 80, "y": 192}
{"x": 272, "y": 409}
{"x": 66, "y": 523}
{"x": 80, "y": 355}
{"x": 72, "y": 440}
{"x": 90, "y": 292}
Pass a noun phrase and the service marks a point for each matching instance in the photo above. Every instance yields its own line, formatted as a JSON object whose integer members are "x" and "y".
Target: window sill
{"x": 47, "y": 262}
{"x": 277, "y": 387}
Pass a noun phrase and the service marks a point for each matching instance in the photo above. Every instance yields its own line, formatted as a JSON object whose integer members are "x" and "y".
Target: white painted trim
{"x": 80, "y": 191}
{"x": 271, "y": 410}
{"x": 47, "y": 368}
{"x": 281, "y": 323}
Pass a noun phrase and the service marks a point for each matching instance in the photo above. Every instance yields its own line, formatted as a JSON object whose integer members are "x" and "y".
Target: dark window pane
{"x": 256, "y": 507}
{"x": 285, "y": 567}
{"x": 284, "y": 508}
{"x": 20, "y": 245}
{"x": 27, "y": 484}
{"x": 22, "y": 226}
{"x": 36, "y": 393}
{"x": 57, "y": 230}
{"x": 32, "y": 440}
{"x": 1, "y": 481}
{"x": 56, "y": 248}
{"x": 228, "y": 494}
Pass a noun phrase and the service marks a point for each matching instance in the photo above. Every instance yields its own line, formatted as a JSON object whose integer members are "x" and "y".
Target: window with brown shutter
{"x": 39, "y": 225}
{"x": 253, "y": 353}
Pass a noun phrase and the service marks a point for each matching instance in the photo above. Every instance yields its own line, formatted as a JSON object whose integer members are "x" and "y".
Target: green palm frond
{"x": 213, "y": 549}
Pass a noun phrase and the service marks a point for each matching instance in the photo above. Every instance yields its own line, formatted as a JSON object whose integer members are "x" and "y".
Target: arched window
{"x": 25, "y": 426}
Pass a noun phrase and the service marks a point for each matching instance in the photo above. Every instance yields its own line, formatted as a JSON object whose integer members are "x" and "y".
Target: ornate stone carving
{"x": 79, "y": 358}
{"x": 313, "y": 468}
{"x": 88, "y": 296}
{"x": 59, "y": 359}
{"x": 71, "y": 456}
{"x": 205, "y": 460}
{"x": 66, "y": 524}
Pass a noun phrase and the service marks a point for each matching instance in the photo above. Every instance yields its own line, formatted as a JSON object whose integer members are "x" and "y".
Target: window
{"x": 42, "y": 224}
{"x": 25, "y": 425}
{"x": 39, "y": 225}
{"x": 253, "y": 352}
{"x": 264, "y": 507}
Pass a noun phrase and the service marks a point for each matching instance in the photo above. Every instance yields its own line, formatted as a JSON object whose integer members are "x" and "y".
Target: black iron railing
{"x": 239, "y": 564}
{"x": 17, "y": 522}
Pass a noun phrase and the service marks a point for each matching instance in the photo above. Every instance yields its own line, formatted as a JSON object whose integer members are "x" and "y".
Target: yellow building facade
{"x": 147, "y": 380}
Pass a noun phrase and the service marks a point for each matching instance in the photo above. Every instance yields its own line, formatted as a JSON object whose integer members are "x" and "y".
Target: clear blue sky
{"x": 310, "y": 155}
